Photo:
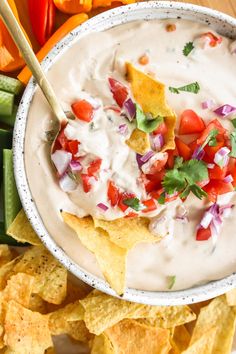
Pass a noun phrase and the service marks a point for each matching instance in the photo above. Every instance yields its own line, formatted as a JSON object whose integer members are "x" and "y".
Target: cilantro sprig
{"x": 183, "y": 178}
{"x": 144, "y": 122}
{"x": 134, "y": 203}
{"x": 188, "y": 48}
{"x": 194, "y": 87}
{"x": 211, "y": 138}
{"x": 171, "y": 281}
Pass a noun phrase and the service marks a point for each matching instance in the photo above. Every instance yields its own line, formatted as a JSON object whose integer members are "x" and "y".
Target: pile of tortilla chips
{"x": 39, "y": 302}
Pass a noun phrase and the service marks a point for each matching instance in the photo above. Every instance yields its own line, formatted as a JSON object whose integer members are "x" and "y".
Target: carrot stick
{"x": 74, "y": 21}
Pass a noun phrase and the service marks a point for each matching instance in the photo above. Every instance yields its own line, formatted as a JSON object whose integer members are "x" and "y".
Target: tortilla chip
{"x": 204, "y": 345}
{"x": 220, "y": 316}
{"x": 110, "y": 257}
{"x": 36, "y": 303}
{"x": 130, "y": 337}
{"x": 5, "y": 254}
{"x": 22, "y": 231}
{"x": 26, "y": 331}
{"x": 169, "y": 137}
{"x": 102, "y": 345}
{"x": 50, "y": 351}
{"x": 6, "y": 270}
{"x": 50, "y": 276}
{"x": 148, "y": 92}
{"x": 19, "y": 288}
{"x": 165, "y": 316}
{"x": 139, "y": 141}
{"x": 231, "y": 297}
{"x": 103, "y": 311}
{"x": 126, "y": 233}
{"x": 180, "y": 339}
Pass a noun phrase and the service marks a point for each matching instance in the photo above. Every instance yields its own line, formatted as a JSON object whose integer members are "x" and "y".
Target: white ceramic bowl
{"x": 222, "y": 23}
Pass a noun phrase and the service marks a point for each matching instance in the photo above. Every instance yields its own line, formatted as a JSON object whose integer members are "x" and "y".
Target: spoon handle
{"x": 30, "y": 59}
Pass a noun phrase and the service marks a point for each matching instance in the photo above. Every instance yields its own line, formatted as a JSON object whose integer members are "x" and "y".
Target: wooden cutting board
{"x": 227, "y": 6}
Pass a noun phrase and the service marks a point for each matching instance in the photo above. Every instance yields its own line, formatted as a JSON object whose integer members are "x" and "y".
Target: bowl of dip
{"x": 171, "y": 36}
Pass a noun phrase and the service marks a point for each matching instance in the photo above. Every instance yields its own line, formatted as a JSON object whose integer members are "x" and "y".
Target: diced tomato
{"x": 158, "y": 165}
{"x": 120, "y": 92}
{"x": 232, "y": 170}
{"x": 161, "y": 129}
{"x": 217, "y": 172}
{"x": 83, "y": 110}
{"x": 94, "y": 167}
{"x": 212, "y": 150}
{"x": 217, "y": 187}
{"x": 193, "y": 145}
{"x": 62, "y": 139}
{"x": 213, "y": 39}
{"x": 169, "y": 198}
{"x": 214, "y": 124}
{"x": 171, "y": 157}
{"x": 113, "y": 193}
{"x": 190, "y": 123}
{"x": 183, "y": 149}
{"x": 73, "y": 146}
{"x": 150, "y": 205}
{"x": 203, "y": 234}
{"x": 131, "y": 214}
{"x": 153, "y": 182}
{"x": 124, "y": 196}
{"x": 86, "y": 182}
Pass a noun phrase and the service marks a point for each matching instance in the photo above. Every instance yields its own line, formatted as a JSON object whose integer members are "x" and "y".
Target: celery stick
{"x": 10, "y": 85}
{"x": 10, "y": 120}
{"x": 5, "y": 143}
{"x": 6, "y": 103}
{"x": 12, "y": 204}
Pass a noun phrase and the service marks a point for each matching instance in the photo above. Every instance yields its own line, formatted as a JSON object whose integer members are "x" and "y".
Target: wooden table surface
{"x": 227, "y": 6}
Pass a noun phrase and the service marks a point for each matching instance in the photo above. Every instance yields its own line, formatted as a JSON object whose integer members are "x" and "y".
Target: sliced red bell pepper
{"x": 190, "y": 123}
{"x": 203, "y": 234}
{"x": 217, "y": 172}
{"x": 94, "y": 167}
{"x": 42, "y": 18}
{"x": 86, "y": 182}
{"x": 83, "y": 110}
{"x": 113, "y": 193}
{"x": 183, "y": 149}
{"x": 217, "y": 187}
{"x": 162, "y": 129}
{"x": 120, "y": 92}
{"x": 150, "y": 205}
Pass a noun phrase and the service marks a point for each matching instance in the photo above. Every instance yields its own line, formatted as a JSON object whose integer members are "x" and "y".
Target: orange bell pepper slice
{"x": 74, "y": 21}
{"x": 106, "y": 3}
{"x": 73, "y": 6}
{"x": 10, "y": 57}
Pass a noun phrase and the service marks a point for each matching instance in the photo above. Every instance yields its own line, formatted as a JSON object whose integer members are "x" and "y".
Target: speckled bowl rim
{"x": 115, "y": 16}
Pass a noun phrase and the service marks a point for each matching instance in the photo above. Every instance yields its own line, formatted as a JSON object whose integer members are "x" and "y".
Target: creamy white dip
{"x": 83, "y": 71}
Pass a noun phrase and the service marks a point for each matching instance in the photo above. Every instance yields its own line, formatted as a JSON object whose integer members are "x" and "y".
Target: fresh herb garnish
{"x": 211, "y": 138}
{"x": 162, "y": 198}
{"x": 188, "y": 48}
{"x": 171, "y": 281}
{"x": 72, "y": 175}
{"x": 146, "y": 124}
{"x": 233, "y": 144}
{"x": 233, "y": 121}
{"x": 184, "y": 176}
{"x": 133, "y": 203}
{"x": 193, "y": 87}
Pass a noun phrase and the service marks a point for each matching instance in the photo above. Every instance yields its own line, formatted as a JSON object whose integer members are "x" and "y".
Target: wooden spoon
{"x": 32, "y": 62}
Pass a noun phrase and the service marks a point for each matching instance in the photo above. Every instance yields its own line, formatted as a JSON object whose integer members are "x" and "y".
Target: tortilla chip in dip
{"x": 110, "y": 257}
{"x": 139, "y": 141}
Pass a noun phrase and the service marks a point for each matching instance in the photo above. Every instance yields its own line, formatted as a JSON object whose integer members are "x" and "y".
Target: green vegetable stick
{"x": 5, "y": 143}
{"x": 12, "y": 204}
{"x": 11, "y": 85}
{"x": 6, "y": 103}
{"x": 9, "y": 120}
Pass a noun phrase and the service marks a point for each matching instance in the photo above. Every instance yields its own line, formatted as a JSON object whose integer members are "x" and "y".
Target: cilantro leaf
{"x": 171, "y": 281}
{"x": 162, "y": 198}
{"x": 233, "y": 121}
{"x": 233, "y": 144}
{"x": 133, "y": 203}
{"x": 188, "y": 48}
{"x": 194, "y": 87}
{"x": 184, "y": 176}
{"x": 211, "y": 138}
{"x": 145, "y": 124}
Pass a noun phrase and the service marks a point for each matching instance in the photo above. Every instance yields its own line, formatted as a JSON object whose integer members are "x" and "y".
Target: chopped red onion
{"x": 102, "y": 206}
{"x": 226, "y": 210}
{"x": 198, "y": 153}
{"x": 158, "y": 156}
{"x": 122, "y": 129}
{"x": 181, "y": 214}
{"x": 210, "y": 166}
{"x": 207, "y": 219}
{"x": 228, "y": 179}
{"x": 157, "y": 141}
{"x": 130, "y": 109}
{"x": 75, "y": 166}
{"x": 67, "y": 184}
{"x": 147, "y": 156}
{"x": 139, "y": 161}
{"x": 222, "y": 157}
{"x": 225, "y": 110}
{"x": 61, "y": 160}
{"x": 208, "y": 104}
